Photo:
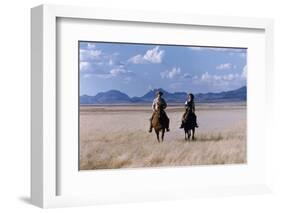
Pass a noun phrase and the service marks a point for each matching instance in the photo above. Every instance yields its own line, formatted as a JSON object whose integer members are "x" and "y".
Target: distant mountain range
{"x": 117, "y": 97}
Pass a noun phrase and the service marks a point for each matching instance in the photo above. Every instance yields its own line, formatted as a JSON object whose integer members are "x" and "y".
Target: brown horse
{"x": 189, "y": 125}
{"x": 159, "y": 123}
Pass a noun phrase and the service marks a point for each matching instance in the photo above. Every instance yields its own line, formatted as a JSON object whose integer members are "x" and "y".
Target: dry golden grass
{"x": 117, "y": 137}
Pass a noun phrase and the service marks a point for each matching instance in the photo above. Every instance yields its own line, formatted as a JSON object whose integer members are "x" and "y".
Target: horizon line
{"x": 160, "y": 89}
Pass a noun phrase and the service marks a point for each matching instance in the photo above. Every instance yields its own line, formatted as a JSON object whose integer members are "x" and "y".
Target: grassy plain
{"x": 117, "y": 137}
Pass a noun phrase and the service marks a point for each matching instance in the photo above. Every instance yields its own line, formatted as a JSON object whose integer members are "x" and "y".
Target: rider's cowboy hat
{"x": 159, "y": 93}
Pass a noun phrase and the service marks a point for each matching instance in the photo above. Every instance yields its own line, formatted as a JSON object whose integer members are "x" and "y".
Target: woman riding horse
{"x": 189, "y": 120}
{"x": 189, "y": 111}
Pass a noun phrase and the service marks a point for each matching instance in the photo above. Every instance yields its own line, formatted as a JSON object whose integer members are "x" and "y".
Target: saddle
{"x": 160, "y": 113}
{"x": 189, "y": 119}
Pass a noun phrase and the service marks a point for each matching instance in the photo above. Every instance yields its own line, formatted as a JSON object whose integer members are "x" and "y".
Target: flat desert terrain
{"x": 118, "y": 137}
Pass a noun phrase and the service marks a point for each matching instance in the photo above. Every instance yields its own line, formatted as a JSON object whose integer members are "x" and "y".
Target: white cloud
{"x": 95, "y": 63}
{"x": 221, "y": 82}
{"x": 91, "y": 57}
{"x": 154, "y": 56}
{"x": 88, "y": 69}
{"x": 225, "y": 66}
{"x": 111, "y": 59}
{"x": 87, "y": 75}
{"x": 174, "y": 72}
{"x": 231, "y": 77}
{"x": 103, "y": 76}
{"x": 125, "y": 74}
{"x": 91, "y": 46}
{"x": 110, "y": 62}
{"x": 137, "y": 59}
{"x": 195, "y": 77}
{"x": 209, "y": 78}
{"x": 186, "y": 75}
{"x": 118, "y": 71}
{"x": 218, "y": 49}
{"x": 214, "y": 78}
{"x": 196, "y": 48}
{"x": 244, "y": 72}
{"x": 90, "y": 66}
{"x": 84, "y": 66}
{"x": 243, "y": 55}
{"x": 231, "y": 51}
{"x": 88, "y": 55}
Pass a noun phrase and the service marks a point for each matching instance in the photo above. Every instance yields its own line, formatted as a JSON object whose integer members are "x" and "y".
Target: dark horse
{"x": 189, "y": 125}
{"x": 159, "y": 124}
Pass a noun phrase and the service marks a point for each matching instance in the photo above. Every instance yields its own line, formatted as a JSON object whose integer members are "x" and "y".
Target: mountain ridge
{"x": 118, "y": 97}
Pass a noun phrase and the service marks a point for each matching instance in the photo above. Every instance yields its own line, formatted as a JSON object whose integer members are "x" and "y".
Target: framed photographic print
{"x": 130, "y": 106}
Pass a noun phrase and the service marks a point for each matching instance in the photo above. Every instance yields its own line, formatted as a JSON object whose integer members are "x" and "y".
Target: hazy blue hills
{"x": 228, "y": 96}
{"x": 109, "y": 97}
{"x": 117, "y": 97}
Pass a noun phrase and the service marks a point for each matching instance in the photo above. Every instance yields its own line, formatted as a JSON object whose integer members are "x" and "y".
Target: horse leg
{"x": 185, "y": 132}
{"x": 157, "y": 135}
{"x": 162, "y": 136}
{"x": 193, "y": 131}
{"x": 188, "y": 133}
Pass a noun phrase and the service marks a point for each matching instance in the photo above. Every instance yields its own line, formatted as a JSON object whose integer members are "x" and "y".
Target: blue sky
{"x": 137, "y": 68}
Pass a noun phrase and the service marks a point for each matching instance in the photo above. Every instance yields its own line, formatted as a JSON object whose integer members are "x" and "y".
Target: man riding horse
{"x": 159, "y": 105}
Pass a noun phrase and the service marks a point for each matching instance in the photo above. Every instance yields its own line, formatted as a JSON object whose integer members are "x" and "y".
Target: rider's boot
{"x": 181, "y": 125}
{"x": 150, "y": 127}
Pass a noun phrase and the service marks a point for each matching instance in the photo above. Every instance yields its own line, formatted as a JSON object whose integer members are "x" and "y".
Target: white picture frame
{"x": 44, "y": 149}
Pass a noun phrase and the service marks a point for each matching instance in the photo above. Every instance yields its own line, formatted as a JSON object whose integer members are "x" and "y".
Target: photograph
{"x": 145, "y": 105}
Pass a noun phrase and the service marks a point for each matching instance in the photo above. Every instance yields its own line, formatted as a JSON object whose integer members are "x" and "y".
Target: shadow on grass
{"x": 206, "y": 138}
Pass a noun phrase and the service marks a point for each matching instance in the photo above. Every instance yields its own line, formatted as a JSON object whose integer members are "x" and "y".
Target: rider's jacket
{"x": 159, "y": 103}
{"x": 190, "y": 106}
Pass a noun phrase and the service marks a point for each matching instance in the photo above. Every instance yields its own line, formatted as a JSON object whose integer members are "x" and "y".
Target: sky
{"x": 135, "y": 69}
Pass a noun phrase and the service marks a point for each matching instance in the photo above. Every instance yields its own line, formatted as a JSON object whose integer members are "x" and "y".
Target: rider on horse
{"x": 159, "y": 104}
{"x": 189, "y": 111}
